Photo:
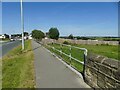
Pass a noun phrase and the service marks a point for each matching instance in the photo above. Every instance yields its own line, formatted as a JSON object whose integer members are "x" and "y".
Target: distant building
{"x": 30, "y": 36}
{"x": 15, "y": 37}
{"x": 46, "y": 35}
{"x": 2, "y": 37}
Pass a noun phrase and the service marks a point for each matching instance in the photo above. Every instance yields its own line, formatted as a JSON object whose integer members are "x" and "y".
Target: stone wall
{"x": 91, "y": 42}
{"x": 102, "y": 72}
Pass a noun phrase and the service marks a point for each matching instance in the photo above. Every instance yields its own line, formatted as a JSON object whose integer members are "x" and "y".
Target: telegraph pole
{"x": 22, "y": 24}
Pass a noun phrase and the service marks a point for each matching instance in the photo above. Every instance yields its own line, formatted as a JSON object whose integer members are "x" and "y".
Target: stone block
{"x": 108, "y": 85}
{"x": 90, "y": 63}
{"x": 94, "y": 79}
{"x": 116, "y": 74}
{"x": 88, "y": 80}
{"x": 96, "y": 65}
{"x": 117, "y": 85}
{"x": 88, "y": 72}
{"x": 101, "y": 80}
{"x": 99, "y": 59}
{"x": 105, "y": 69}
{"x": 111, "y": 63}
{"x": 109, "y": 82}
{"x": 95, "y": 86}
{"x": 93, "y": 71}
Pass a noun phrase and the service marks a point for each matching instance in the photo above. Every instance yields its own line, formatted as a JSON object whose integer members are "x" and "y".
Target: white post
{"x": 70, "y": 55}
{"x": 22, "y": 25}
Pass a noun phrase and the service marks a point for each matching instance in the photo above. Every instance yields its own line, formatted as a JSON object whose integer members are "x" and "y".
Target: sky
{"x": 61, "y": 0}
{"x": 77, "y": 18}
{"x": 0, "y": 17}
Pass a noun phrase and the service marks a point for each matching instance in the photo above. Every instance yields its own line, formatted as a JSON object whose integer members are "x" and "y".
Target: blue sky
{"x": 80, "y": 19}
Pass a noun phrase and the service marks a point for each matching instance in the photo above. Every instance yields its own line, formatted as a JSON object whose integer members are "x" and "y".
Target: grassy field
{"x": 109, "y": 51}
{"x": 18, "y": 68}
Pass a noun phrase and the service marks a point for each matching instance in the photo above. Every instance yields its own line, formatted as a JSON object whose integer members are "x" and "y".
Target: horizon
{"x": 79, "y": 19}
{"x": 69, "y": 34}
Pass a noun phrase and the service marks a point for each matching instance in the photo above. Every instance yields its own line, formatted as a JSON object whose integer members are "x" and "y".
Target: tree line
{"x": 53, "y": 34}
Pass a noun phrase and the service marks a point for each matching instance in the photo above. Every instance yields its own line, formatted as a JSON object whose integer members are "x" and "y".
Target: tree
{"x": 37, "y": 34}
{"x": 70, "y": 36}
{"x": 6, "y": 35}
{"x": 26, "y": 33}
{"x": 54, "y": 33}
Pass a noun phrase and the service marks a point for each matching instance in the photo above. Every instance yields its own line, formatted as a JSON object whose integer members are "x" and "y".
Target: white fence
{"x": 69, "y": 55}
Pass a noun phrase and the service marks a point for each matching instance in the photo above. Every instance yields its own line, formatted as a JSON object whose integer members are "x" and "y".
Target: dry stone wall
{"x": 102, "y": 72}
{"x": 90, "y": 42}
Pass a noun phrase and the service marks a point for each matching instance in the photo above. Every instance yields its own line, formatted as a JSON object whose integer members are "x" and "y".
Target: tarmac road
{"x": 7, "y": 46}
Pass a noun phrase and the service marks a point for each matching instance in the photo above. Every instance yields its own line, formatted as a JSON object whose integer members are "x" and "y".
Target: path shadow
{"x": 36, "y": 48}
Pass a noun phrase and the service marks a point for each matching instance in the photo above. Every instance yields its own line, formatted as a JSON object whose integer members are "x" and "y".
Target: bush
{"x": 70, "y": 36}
{"x": 105, "y": 44}
{"x": 66, "y": 42}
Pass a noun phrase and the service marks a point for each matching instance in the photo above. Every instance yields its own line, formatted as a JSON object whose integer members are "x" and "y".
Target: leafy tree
{"x": 70, "y": 36}
{"x": 37, "y": 34}
{"x": 6, "y": 35}
{"x": 26, "y": 33}
{"x": 54, "y": 33}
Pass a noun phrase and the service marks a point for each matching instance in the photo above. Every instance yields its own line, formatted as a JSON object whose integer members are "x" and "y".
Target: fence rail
{"x": 70, "y": 55}
{"x": 70, "y": 51}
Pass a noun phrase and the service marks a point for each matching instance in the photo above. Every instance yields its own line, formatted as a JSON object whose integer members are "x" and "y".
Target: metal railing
{"x": 70, "y": 53}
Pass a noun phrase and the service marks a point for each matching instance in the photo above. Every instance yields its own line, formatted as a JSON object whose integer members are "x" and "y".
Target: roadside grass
{"x": 18, "y": 68}
{"x": 109, "y": 51}
{"x": 5, "y": 39}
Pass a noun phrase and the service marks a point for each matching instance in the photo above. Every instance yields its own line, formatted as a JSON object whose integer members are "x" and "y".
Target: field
{"x": 18, "y": 68}
{"x": 104, "y": 50}
{"x": 110, "y": 51}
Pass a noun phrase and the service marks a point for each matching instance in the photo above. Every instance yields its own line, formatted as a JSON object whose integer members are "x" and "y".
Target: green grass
{"x": 5, "y": 39}
{"x": 109, "y": 51}
{"x": 78, "y": 54}
{"x": 18, "y": 68}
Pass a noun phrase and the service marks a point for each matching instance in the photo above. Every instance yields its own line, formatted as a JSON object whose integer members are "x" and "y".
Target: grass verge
{"x": 18, "y": 68}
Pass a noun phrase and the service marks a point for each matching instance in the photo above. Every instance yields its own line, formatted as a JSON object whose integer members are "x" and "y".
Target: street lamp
{"x": 22, "y": 25}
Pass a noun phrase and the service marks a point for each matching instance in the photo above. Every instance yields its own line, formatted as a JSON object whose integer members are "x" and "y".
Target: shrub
{"x": 66, "y": 42}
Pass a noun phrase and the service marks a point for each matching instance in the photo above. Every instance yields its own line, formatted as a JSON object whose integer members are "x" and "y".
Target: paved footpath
{"x": 52, "y": 73}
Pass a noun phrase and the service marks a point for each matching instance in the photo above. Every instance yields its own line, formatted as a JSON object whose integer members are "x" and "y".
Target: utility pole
{"x": 22, "y": 24}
